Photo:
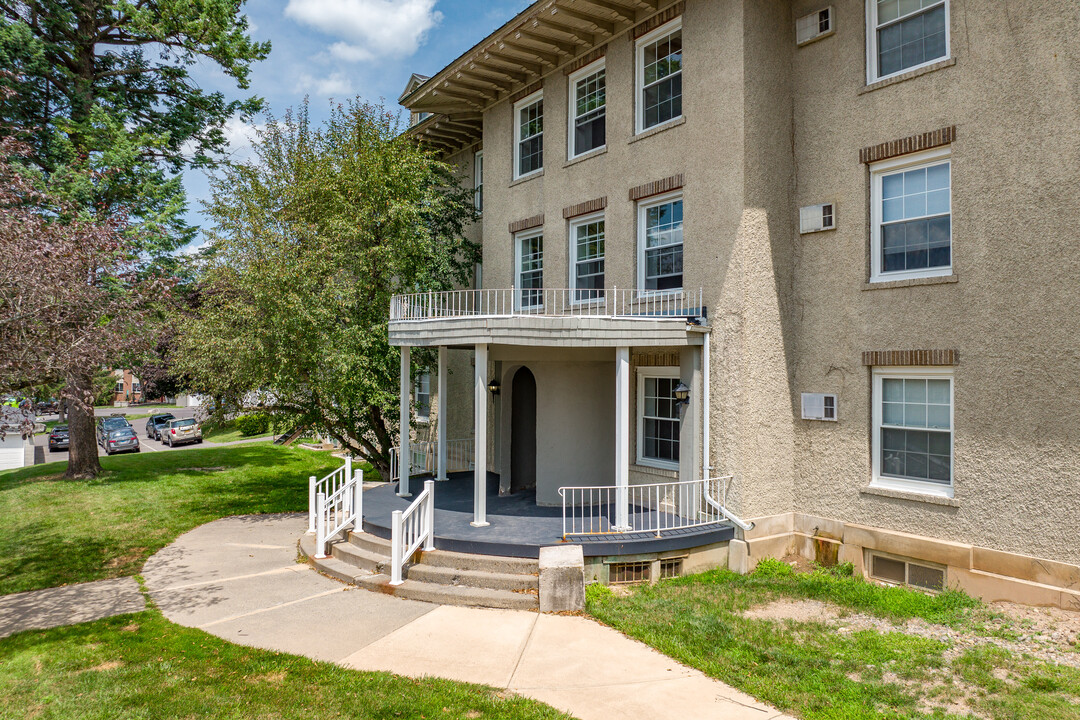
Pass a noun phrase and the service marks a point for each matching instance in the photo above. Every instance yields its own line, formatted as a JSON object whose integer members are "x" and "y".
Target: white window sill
{"x": 585, "y": 156}
{"x": 658, "y": 129}
{"x": 658, "y": 465}
{"x": 910, "y": 282}
{"x": 911, "y": 490}
{"x": 666, "y": 471}
{"x": 526, "y": 178}
{"x": 911, "y": 275}
{"x": 906, "y": 75}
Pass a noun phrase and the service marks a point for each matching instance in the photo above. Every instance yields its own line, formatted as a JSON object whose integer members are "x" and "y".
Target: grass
{"x": 227, "y": 432}
{"x": 57, "y": 531}
{"x": 816, "y": 672}
{"x": 142, "y": 666}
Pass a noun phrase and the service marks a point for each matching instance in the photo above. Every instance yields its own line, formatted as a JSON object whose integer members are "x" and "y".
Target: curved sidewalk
{"x": 239, "y": 579}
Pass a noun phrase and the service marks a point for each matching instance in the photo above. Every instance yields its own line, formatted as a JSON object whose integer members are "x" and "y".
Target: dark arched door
{"x": 523, "y": 432}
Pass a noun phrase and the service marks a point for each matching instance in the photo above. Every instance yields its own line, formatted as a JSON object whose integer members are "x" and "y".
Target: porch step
{"x": 447, "y": 578}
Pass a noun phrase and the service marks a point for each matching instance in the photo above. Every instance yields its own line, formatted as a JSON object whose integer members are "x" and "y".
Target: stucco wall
{"x": 1014, "y": 311}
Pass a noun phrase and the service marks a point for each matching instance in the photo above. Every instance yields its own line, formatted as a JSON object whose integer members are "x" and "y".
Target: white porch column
{"x": 404, "y": 452}
{"x": 622, "y": 438}
{"x": 442, "y": 389}
{"x": 480, "y": 438}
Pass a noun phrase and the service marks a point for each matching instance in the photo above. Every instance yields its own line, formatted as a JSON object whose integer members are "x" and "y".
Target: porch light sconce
{"x": 494, "y": 387}
{"x": 681, "y": 394}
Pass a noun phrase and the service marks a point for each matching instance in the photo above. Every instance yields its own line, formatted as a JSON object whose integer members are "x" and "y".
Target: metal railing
{"x": 338, "y": 501}
{"x": 653, "y": 508}
{"x": 411, "y": 528}
{"x": 549, "y": 302}
{"x": 425, "y": 457}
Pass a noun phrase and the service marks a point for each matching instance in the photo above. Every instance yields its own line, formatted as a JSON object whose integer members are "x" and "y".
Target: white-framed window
{"x": 905, "y": 34}
{"x": 588, "y": 109}
{"x": 529, "y": 135}
{"x": 529, "y": 251}
{"x": 422, "y": 396}
{"x": 120, "y": 385}
{"x": 660, "y": 243}
{"x": 587, "y": 257}
{"x": 911, "y": 216}
{"x": 913, "y": 429}
{"x": 657, "y": 417}
{"x": 478, "y": 181}
{"x": 659, "y": 76}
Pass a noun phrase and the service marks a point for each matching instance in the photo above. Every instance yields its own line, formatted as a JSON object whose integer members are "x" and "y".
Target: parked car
{"x": 107, "y": 424}
{"x": 58, "y": 438}
{"x": 178, "y": 432}
{"x": 122, "y": 440}
{"x": 156, "y": 423}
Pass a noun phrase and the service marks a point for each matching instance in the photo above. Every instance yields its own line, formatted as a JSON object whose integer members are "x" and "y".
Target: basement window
{"x": 671, "y": 568}
{"x": 900, "y": 571}
{"x": 628, "y": 572}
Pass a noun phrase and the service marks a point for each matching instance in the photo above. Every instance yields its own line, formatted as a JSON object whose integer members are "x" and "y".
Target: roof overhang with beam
{"x": 542, "y": 38}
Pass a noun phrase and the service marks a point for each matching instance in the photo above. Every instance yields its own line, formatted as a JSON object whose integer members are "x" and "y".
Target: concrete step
{"x": 370, "y": 542}
{"x": 361, "y": 558}
{"x": 473, "y": 578}
{"x": 452, "y": 594}
{"x": 452, "y": 560}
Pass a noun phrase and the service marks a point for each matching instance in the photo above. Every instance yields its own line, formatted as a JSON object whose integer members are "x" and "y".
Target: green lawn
{"x": 229, "y": 433}
{"x": 815, "y": 671}
{"x": 57, "y": 532}
{"x": 142, "y": 666}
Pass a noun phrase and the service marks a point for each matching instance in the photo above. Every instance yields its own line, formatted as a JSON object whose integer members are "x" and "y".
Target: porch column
{"x": 442, "y": 412}
{"x": 480, "y": 438}
{"x": 622, "y": 438}
{"x": 404, "y": 452}
{"x": 690, "y": 465}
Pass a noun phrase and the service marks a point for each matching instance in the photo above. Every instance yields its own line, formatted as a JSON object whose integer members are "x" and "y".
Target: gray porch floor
{"x": 518, "y": 527}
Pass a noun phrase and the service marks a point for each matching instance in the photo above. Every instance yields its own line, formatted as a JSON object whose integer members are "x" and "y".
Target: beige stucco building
{"x": 840, "y": 233}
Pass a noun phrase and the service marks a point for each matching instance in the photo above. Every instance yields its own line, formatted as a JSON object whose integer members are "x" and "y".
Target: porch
{"x": 518, "y": 527}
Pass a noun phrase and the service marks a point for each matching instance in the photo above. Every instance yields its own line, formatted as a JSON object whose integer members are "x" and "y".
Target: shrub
{"x": 253, "y": 424}
{"x": 772, "y": 568}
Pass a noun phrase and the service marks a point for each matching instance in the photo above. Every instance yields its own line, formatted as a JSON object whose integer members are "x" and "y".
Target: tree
{"x": 311, "y": 240}
{"x": 105, "y": 101}
{"x": 72, "y": 300}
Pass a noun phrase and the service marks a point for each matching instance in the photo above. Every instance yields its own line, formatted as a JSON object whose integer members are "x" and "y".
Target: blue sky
{"x": 327, "y": 49}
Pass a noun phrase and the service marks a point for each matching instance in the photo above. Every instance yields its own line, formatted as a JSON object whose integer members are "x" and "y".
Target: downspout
{"x": 706, "y": 453}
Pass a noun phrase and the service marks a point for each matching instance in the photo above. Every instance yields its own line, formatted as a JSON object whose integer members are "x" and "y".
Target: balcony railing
{"x": 549, "y": 302}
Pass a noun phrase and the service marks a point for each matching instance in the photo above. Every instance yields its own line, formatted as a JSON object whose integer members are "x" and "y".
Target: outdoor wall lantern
{"x": 681, "y": 394}
{"x": 494, "y": 386}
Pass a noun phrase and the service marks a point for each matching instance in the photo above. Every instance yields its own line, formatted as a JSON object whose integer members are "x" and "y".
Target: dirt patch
{"x": 275, "y": 678}
{"x": 133, "y": 556}
{"x": 797, "y": 610}
{"x": 133, "y": 627}
{"x": 105, "y": 666}
{"x": 216, "y": 468}
{"x": 799, "y": 563}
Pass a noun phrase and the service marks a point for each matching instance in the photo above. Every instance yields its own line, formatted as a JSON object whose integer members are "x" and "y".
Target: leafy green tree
{"x": 311, "y": 240}
{"x": 103, "y": 93}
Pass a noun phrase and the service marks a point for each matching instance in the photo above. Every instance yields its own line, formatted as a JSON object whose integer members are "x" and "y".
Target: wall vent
{"x": 819, "y": 406}
{"x": 629, "y": 572}
{"x": 899, "y": 571}
{"x": 670, "y": 568}
{"x": 814, "y": 26}
{"x": 815, "y": 218}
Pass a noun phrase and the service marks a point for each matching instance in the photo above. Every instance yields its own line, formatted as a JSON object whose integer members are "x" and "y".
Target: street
{"x": 146, "y": 443}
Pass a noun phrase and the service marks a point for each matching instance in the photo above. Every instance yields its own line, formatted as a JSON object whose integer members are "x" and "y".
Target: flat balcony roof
{"x": 603, "y": 317}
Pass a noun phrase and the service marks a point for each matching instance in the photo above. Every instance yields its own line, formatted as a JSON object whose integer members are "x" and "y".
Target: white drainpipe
{"x": 706, "y": 401}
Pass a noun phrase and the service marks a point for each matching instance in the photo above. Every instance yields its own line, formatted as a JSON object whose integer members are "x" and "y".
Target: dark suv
{"x": 108, "y": 424}
{"x": 58, "y": 438}
{"x": 156, "y": 423}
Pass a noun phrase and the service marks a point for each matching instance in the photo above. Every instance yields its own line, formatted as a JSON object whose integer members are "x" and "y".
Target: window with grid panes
{"x": 529, "y": 150}
{"x": 907, "y": 34}
{"x": 659, "y": 420}
{"x": 911, "y": 216}
{"x": 661, "y": 226}
{"x": 589, "y": 103}
{"x": 914, "y": 427}
{"x": 530, "y": 276}
{"x": 659, "y": 77}
{"x": 588, "y": 252}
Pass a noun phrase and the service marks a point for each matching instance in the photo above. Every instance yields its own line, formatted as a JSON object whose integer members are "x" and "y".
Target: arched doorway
{"x": 523, "y": 431}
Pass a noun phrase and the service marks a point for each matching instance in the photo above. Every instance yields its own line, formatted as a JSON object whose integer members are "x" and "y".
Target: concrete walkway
{"x": 239, "y": 579}
{"x": 53, "y": 607}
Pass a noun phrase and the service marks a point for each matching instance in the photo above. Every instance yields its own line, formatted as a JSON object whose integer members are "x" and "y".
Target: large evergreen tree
{"x": 104, "y": 97}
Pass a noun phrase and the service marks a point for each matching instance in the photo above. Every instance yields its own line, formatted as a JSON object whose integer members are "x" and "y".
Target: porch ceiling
{"x": 547, "y": 332}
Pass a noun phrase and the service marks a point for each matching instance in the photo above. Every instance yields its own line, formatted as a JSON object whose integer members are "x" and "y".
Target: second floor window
{"x": 911, "y": 215}
{"x": 529, "y": 147}
{"x": 587, "y": 274}
{"x": 660, "y": 230}
{"x": 530, "y": 270}
{"x": 906, "y": 34}
{"x": 588, "y": 100}
{"x": 659, "y": 73}
{"x": 478, "y": 181}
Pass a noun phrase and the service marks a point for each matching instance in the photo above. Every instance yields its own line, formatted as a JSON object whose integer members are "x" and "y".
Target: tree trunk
{"x": 82, "y": 448}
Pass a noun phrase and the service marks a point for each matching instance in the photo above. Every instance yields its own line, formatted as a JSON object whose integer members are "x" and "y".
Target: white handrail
{"x": 653, "y": 508}
{"x": 720, "y": 504}
{"x": 336, "y": 511}
{"x": 425, "y": 457}
{"x": 411, "y": 528}
{"x": 679, "y": 304}
{"x": 329, "y": 485}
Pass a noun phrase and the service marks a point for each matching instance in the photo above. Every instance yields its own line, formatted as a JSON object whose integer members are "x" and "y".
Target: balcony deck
{"x": 518, "y": 527}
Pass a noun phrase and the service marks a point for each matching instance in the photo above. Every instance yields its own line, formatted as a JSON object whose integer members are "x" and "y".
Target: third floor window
{"x": 529, "y": 148}
{"x": 906, "y": 34}
{"x": 659, "y": 76}
{"x": 588, "y": 103}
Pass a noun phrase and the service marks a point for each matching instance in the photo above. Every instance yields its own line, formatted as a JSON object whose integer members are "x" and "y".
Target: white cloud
{"x": 334, "y": 85}
{"x": 239, "y": 136}
{"x": 369, "y": 28}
